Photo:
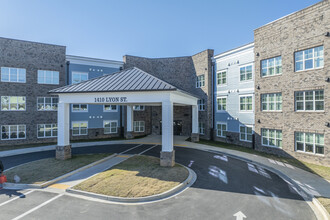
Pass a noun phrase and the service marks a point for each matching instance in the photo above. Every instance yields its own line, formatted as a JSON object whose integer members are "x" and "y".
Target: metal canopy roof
{"x": 129, "y": 80}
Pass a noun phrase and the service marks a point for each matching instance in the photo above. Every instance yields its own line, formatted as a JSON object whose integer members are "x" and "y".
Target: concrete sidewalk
{"x": 311, "y": 183}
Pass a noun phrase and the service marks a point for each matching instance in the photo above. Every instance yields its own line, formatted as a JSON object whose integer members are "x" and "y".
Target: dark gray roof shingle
{"x": 132, "y": 79}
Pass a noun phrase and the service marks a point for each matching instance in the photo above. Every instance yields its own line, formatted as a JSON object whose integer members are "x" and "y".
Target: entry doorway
{"x": 177, "y": 127}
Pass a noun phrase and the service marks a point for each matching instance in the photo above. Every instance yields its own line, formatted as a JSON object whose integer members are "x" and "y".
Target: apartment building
{"x": 89, "y": 121}
{"x": 292, "y": 79}
{"x": 28, "y": 71}
{"x": 234, "y": 96}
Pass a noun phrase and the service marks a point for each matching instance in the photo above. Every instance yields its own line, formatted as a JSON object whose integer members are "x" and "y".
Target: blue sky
{"x": 150, "y": 28}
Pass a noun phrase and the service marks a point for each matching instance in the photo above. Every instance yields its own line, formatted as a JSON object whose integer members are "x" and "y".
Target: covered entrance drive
{"x": 127, "y": 88}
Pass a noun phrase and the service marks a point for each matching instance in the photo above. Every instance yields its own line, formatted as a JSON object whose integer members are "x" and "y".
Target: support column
{"x": 195, "y": 133}
{"x": 63, "y": 148}
{"x": 129, "y": 122}
{"x": 167, "y": 155}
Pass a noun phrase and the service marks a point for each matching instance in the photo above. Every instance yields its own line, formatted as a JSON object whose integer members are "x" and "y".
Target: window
{"x": 13, "y": 103}
{"x": 79, "y": 128}
{"x": 271, "y": 67}
{"x": 245, "y": 103}
{"x": 271, "y": 102}
{"x": 309, "y": 59}
{"x": 201, "y": 128}
{"x": 246, "y": 73}
{"x": 138, "y": 108}
{"x": 309, "y": 142}
{"x": 48, "y": 77}
{"x": 309, "y": 100}
{"x": 13, "y": 132}
{"x": 221, "y": 129}
{"x": 245, "y": 133}
{"x": 201, "y": 104}
{"x": 109, "y": 108}
{"x": 110, "y": 127}
{"x": 47, "y": 103}
{"x": 271, "y": 137}
{"x": 79, "y": 77}
{"x": 138, "y": 126}
{"x": 222, "y": 103}
{"x": 222, "y": 78}
{"x": 13, "y": 75}
{"x": 47, "y": 130}
{"x": 79, "y": 108}
{"x": 200, "y": 81}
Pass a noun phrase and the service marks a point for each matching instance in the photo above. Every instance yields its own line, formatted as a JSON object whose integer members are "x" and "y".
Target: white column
{"x": 195, "y": 119}
{"x": 167, "y": 126}
{"x": 63, "y": 123}
{"x": 130, "y": 118}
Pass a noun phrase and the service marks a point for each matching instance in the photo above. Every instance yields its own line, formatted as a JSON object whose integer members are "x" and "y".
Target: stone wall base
{"x": 63, "y": 152}
{"x": 129, "y": 135}
{"x": 167, "y": 159}
{"x": 194, "y": 137}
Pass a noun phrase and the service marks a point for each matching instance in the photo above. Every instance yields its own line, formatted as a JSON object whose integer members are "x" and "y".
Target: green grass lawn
{"x": 41, "y": 171}
{"x": 138, "y": 176}
{"x": 319, "y": 170}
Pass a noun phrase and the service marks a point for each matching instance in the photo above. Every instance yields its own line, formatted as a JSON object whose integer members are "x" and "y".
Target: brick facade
{"x": 181, "y": 72}
{"x": 32, "y": 57}
{"x": 299, "y": 31}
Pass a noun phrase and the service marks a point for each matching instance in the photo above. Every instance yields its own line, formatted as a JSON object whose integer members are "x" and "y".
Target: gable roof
{"x": 128, "y": 80}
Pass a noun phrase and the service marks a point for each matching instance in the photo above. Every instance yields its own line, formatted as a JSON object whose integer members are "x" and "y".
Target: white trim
{"x": 9, "y": 139}
{"x": 199, "y": 83}
{"x": 239, "y": 102}
{"x": 80, "y": 73}
{"x": 109, "y": 121}
{"x": 203, "y": 128}
{"x": 110, "y": 110}
{"x": 217, "y": 79}
{"x": 52, "y": 83}
{"x": 221, "y": 123}
{"x": 267, "y": 59}
{"x": 304, "y": 143}
{"x": 139, "y": 109}
{"x": 9, "y": 110}
{"x": 77, "y": 122}
{"x": 246, "y": 65}
{"x": 139, "y": 126}
{"x": 52, "y": 124}
{"x": 79, "y": 111}
{"x": 303, "y": 59}
{"x": 94, "y": 61}
{"x": 275, "y": 102}
{"x": 221, "y": 97}
{"x": 304, "y": 101}
{"x": 245, "y": 126}
{"x": 267, "y": 145}
{"x": 44, "y": 103}
{"x": 233, "y": 51}
{"x": 9, "y": 74}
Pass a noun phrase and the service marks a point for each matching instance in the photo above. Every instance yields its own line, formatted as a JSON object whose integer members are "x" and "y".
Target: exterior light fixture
{"x": 327, "y": 79}
{"x": 257, "y": 54}
{"x": 327, "y": 124}
{"x": 259, "y": 121}
{"x": 327, "y": 34}
{"x": 258, "y": 87}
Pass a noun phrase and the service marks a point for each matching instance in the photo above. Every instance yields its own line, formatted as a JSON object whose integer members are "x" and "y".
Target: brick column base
{"x": 167, "y": 159}
{"x": 63, "y": 152}
{"x": 194, "y": 137}
{"x": 129, "y": 135}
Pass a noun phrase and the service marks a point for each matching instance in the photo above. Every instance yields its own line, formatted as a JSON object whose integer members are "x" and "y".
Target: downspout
{"x": 67, "y": 73}
{"x": 212, "y": 95}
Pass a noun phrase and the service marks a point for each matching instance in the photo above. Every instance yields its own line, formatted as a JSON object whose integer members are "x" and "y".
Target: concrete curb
{"x": 182, "y": 186}
{"x": 319, "y": 210}
{"x": 19, "y": 186}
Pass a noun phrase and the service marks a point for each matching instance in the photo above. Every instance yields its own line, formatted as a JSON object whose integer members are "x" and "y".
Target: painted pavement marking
{"x": 59, "y": 186}
{"x": 37, "y": 207}
{"x": 131, "y": 149}
{"x": 13, "y": 199}
{"x": 148, "y": 149}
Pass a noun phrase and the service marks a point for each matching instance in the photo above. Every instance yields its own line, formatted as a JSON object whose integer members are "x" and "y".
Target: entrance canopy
{"x": 128, "y": 87}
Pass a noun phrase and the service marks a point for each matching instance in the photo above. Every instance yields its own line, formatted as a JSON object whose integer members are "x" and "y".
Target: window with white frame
{"x": 309, "y": 142}
{"x": 79, "y": 108}
{"x": 47, "y": 130}
{"x": 110, "y": 127}
{"x": 13, "y": 103}
{"x": 222, "y": 103}
{"x": 245, "y": 133}
{"x": 309, "y": 100}
{"x": 271, "y": 137}
{"x": 48, "y": 77}
{"x": 201, "y": 128}
{"x": 200, "y": 81}
{"x": 109, "y": 108}
{"x": 79, "y": 128}
{"x": 309, "y": 59}
{"x": 221, "y": 129}
{"x": 138, "y": 126}
{"x": 9, "y": 74}
{"x": 271, "y": 102}
{"x": 47, "y": 103}
{"x": 78, "y": 77}
{"x": 246, "y": 73}
{"x": 201, "y": 104}
{"x": 222, "y": 78}
{"x": 245, "y": 103}
{"x": 271, "y": 67}
{"x": 13, "y": 132}
{"x": 138, "y": 107}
